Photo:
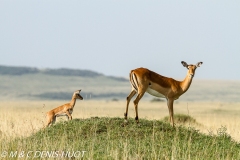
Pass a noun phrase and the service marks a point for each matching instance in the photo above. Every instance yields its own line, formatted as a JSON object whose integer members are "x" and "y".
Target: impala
{"x": 143, "y": 80}
{"x": 63, "y": 110}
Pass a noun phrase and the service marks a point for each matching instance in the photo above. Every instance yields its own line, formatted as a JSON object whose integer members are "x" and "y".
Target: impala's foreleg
{"x": 133, "y": 92}
{"x": 170, "y": 109}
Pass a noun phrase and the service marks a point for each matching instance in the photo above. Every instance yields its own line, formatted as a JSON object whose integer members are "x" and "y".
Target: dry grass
{"x": 22, "y": 118}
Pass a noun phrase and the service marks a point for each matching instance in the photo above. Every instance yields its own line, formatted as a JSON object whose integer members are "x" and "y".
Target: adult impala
{"x": 144, "y": 80}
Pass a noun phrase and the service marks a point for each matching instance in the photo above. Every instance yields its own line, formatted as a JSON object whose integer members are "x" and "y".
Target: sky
{"x": 115, "y": 36}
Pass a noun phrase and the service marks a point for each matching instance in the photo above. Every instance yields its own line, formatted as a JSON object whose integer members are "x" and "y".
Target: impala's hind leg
{"x": 133, "y": 92}
{"x": 138, "y": 98}
{"x": 50, "y": 119}
{"x": 48, "y": 123}
{"x": 141, "y": 90}
{"x": 54, "y": 119}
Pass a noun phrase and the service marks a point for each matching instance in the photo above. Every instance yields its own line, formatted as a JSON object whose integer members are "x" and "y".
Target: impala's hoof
{"x": 125, "y": 123}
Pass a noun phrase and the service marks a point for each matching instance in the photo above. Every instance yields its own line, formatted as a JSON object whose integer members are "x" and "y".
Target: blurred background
{"x": 49, "y": 49}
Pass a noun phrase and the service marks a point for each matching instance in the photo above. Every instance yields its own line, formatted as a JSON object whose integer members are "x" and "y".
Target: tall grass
{"x": 105, "y": 138}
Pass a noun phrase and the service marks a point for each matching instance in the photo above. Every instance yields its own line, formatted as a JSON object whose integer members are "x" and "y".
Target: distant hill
{"x": 59, "y": 84}
{"x": 10, "y": 70}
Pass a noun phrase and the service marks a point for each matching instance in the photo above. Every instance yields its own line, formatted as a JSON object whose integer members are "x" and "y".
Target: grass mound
{"x": 105, "y": 138}
{"x": 182, "y": 119}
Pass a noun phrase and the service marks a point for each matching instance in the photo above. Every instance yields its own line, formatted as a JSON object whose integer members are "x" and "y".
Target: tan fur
{"x": 63, "y": 110}
{"x": 144, "y": 80}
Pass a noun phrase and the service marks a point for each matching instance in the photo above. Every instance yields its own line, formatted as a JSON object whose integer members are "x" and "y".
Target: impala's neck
{"x": 72, "y": 102}
{"x": 185, "y": 84}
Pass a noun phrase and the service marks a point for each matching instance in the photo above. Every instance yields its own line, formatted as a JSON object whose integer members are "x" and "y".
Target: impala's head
{"x": 77, "y": 95}
{"x": 191, "y": 68}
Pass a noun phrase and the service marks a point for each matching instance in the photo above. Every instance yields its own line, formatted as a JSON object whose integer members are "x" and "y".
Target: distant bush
{"x": 115, "y": 99}
{"x": 157, "y": 100}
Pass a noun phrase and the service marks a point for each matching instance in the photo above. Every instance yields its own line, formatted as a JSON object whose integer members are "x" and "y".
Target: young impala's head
{"x": 191, "y": 68}
{"x": 77, "y": 95}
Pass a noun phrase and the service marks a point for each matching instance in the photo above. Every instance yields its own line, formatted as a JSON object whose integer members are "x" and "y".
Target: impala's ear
{"x": 184, "y": 64}
{"x": 199, "y": 64}
{"x": 77, "y": 91}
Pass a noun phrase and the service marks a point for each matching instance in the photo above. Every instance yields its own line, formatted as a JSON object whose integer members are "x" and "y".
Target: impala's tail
{"x": 133, "y": 80}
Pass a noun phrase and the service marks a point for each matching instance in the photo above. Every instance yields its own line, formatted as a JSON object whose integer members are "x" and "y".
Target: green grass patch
{"x": 105, "y": 138}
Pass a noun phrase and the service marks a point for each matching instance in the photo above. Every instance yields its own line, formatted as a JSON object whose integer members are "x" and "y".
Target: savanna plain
{"x": 23, "y": 118}
{"x": 207, "y": 121}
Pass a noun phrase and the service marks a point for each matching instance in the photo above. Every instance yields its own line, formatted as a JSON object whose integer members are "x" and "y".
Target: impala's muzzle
{"x": 79, "y": 96}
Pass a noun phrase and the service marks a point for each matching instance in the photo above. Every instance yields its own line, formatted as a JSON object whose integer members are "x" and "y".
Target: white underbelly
{"x": 155, "y": 93}
{"x": 61, "y": 114}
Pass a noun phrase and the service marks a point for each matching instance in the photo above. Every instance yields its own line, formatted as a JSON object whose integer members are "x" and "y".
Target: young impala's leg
{"x": 133, "y": 92}
{"x": 49, "y": 121}
{"x": 69, "y": 115}
{"x": 54, "y": 119}
{"x": 170, "y": 109}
